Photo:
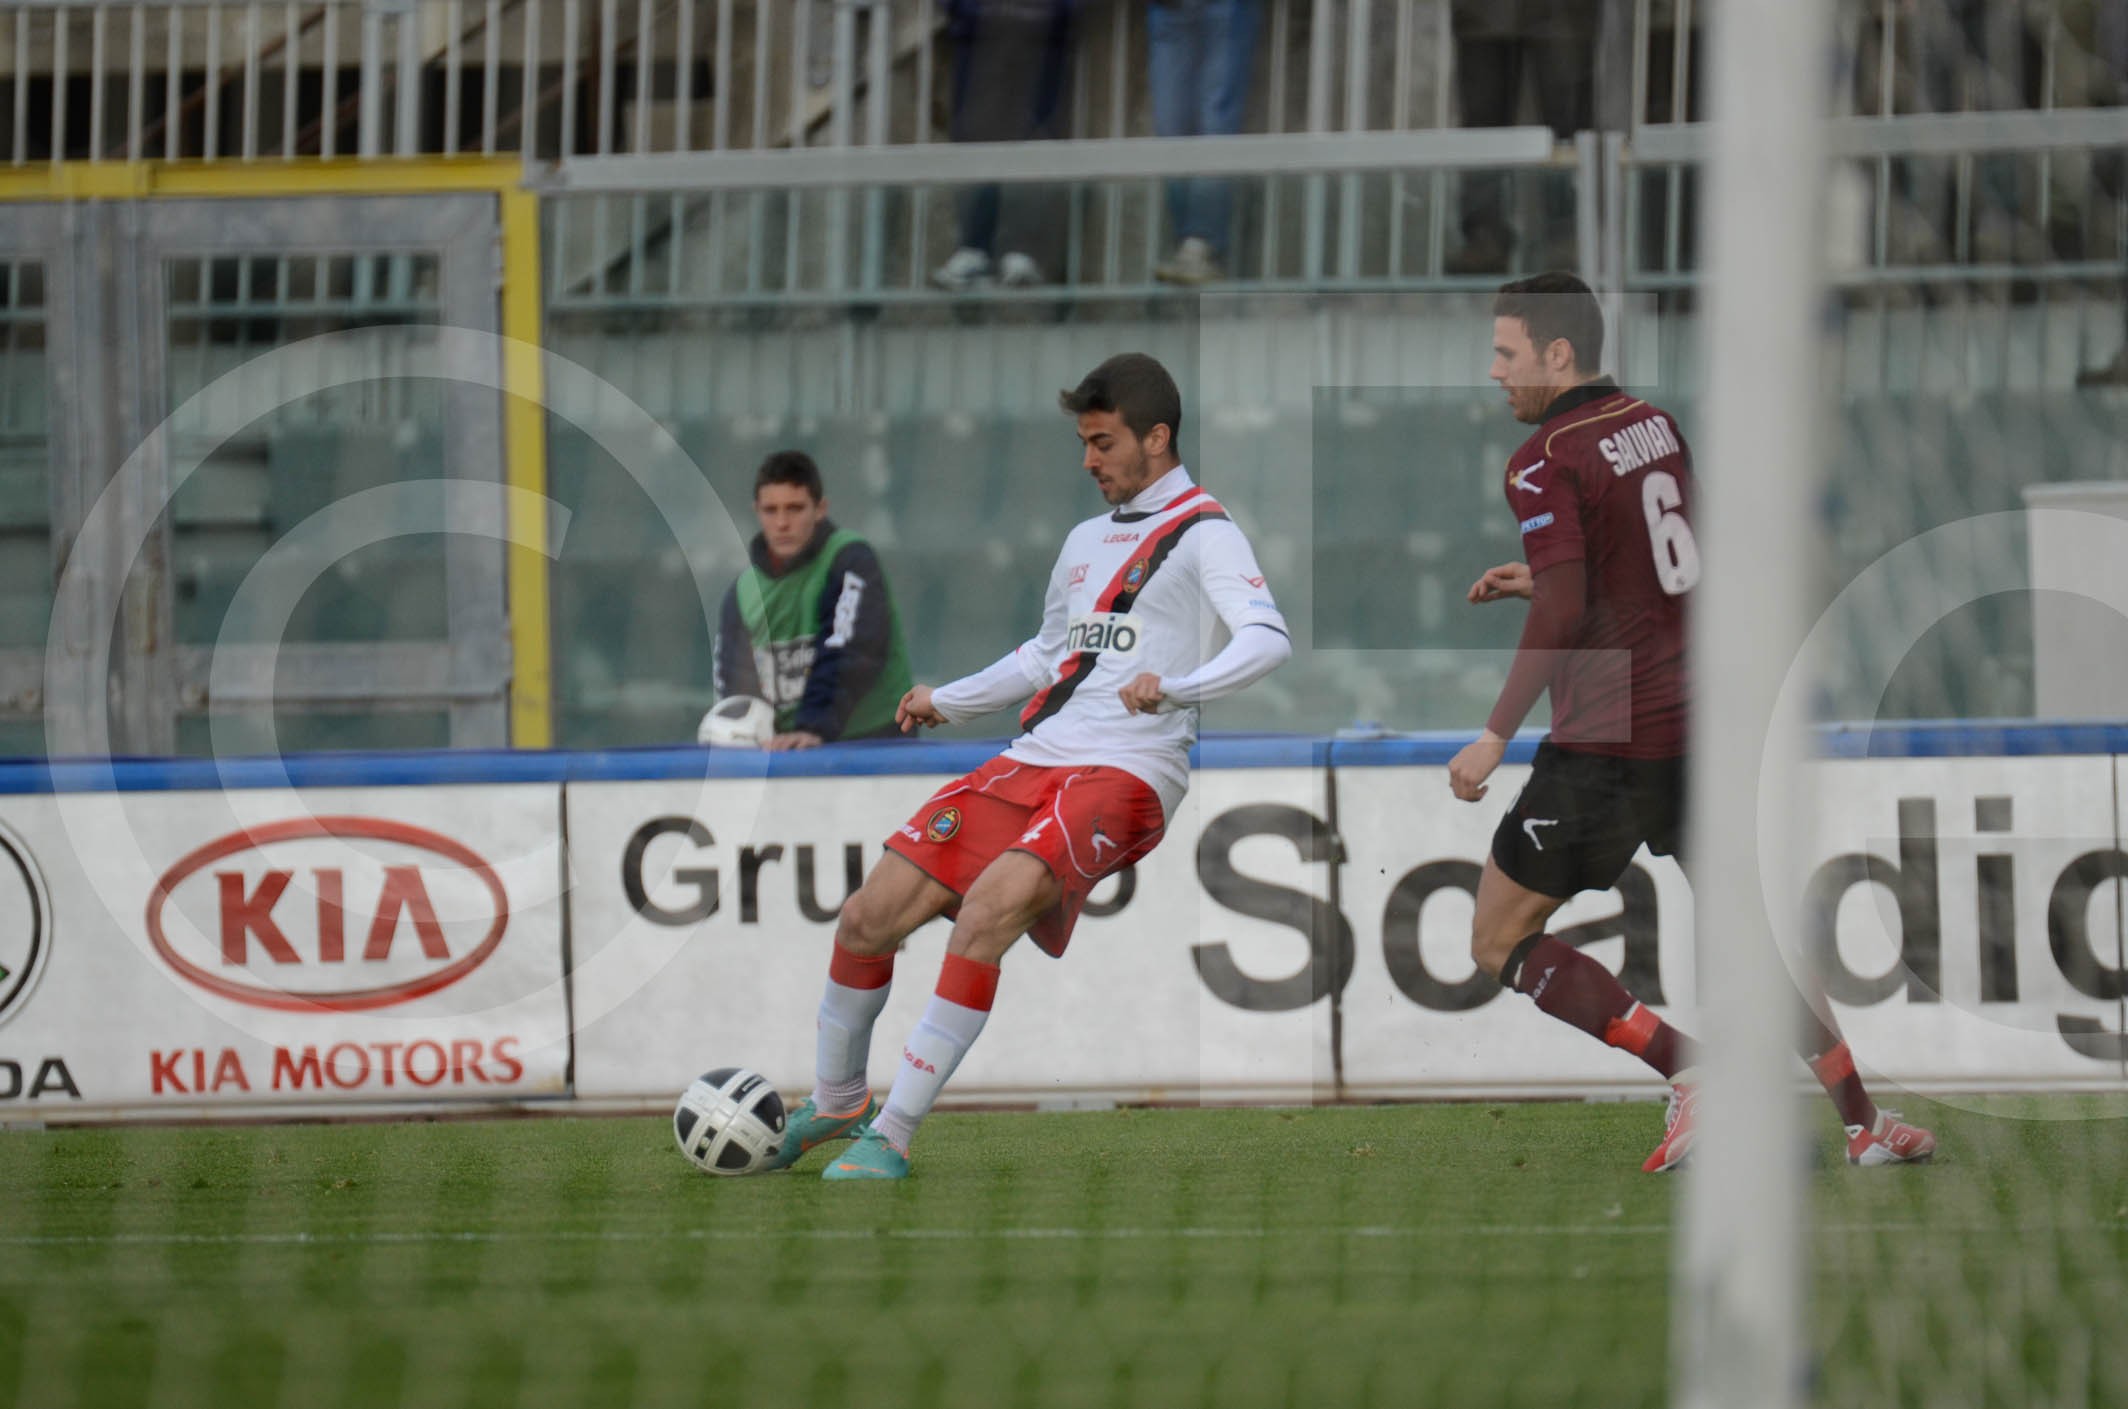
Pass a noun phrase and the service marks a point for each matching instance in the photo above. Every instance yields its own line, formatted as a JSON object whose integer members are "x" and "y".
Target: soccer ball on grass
{"x": 729, "y": 1121}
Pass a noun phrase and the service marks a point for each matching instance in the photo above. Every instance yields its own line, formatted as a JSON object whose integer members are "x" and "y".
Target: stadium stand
{"x": 743, "y": 316}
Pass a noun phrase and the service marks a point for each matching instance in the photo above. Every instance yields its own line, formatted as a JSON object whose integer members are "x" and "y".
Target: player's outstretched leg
{"x": 1011, "y": 893}
{"x": 1508, "y": 941}
{"x": 895, "y": 899}
{"x": 1874, "y": 1137}
{"x": 951, "y": 1022}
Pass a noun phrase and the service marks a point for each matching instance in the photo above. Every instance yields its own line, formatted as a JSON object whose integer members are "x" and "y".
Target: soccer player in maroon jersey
{"x": 1603, "y": 493}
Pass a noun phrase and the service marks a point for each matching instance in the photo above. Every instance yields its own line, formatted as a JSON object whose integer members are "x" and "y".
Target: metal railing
{"x": 575, "y": 84}
{"x": 554, "y": 79}
{"x": 203, "y": 79}
{"x": 1318, "y": 211}
{"x": 249, "y": 79}
{"x": 2069, "y": 231}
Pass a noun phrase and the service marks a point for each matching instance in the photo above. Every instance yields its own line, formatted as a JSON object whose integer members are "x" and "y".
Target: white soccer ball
{"x": 738, "y": 721}
{"x": 729, "y": 1121}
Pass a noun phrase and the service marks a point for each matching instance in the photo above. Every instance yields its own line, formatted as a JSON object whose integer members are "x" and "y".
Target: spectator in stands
{"x": 1973, "y": 56}
{"x": 1010, "y": 62}
{"x": 1201, "y": 55}
{"x": 1499, "y": 45}
{"x": 810, "y": 626}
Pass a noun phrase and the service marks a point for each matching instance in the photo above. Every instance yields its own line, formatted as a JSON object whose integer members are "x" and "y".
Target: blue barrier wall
{"x": 932, "y": 757}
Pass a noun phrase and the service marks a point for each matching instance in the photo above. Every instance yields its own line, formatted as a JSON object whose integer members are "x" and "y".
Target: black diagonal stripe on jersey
{"x": 1141, "y": 515}
{"x": 1115, "y": 598}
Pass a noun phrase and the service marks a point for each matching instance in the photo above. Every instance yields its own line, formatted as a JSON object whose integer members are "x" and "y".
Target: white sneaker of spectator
{"x": 1192, "y": 263}
{"x": 1019, "y": 271}
{"x": 966, "y": 268}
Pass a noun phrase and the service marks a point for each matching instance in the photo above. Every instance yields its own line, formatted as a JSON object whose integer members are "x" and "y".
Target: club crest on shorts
{"x": 944, "y": 824}
{"x": 1135, "y": 577}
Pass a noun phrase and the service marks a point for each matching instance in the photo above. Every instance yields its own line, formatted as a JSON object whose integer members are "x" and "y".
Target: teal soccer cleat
{"x": 807, "y": 1127}
{"x": 870, "y": 1158}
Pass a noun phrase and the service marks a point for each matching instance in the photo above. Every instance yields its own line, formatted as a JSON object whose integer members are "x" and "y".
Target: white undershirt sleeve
{"x": 1256, "y": 650}
{"x": 1231, "y": 580}
{"x": 995, "y": 686}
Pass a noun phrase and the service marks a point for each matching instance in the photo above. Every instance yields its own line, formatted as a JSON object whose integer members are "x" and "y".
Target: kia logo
{"x": 368, "y": 926}
{"x": 25, "y": 924}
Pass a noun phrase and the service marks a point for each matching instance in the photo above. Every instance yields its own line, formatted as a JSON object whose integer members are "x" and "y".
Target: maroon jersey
{"x": 1607, "y": 479}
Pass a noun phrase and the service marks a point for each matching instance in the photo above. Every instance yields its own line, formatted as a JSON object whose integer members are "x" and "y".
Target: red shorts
{"x": 1084, "y": 824}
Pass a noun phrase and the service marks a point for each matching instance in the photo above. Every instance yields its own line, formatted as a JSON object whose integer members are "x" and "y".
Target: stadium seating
{"x": 1372, "y": 510}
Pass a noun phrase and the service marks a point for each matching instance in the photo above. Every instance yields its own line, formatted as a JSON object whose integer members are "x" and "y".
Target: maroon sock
{"x": 1574, "y": 988}
{"x": 1835, "y": 1069}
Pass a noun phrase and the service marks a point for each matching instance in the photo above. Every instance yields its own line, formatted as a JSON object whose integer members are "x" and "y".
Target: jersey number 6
{"x": 1669, "y": 536}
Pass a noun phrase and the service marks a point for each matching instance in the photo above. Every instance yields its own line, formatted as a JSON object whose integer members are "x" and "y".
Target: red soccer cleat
{"x": 1678, "y": 1121}
{"x": 1892, "y": 1141}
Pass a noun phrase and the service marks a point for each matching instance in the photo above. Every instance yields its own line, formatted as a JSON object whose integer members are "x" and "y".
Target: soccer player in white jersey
{"x": 1129, "y": 648}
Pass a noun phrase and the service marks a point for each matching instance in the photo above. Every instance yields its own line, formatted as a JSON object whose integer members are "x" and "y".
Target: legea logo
{"x": 344, "y": 914}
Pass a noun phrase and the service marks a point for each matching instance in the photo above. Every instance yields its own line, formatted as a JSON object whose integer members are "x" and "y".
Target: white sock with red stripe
{"x": 952, "y": 1021}
{"x": 857, "y": 990}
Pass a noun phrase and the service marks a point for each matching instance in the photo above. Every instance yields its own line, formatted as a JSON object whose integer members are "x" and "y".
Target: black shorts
{"x": 1581, "y": 817}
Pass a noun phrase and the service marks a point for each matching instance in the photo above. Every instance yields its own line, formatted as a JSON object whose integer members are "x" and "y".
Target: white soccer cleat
{"x": 1891, "y": 1141}
{"x": 1678, "y": 1122}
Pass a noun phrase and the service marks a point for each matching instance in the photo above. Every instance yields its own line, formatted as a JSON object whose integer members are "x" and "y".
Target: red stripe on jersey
{"x": 1117, "y": 597}
{"x": 1156, "y": 550}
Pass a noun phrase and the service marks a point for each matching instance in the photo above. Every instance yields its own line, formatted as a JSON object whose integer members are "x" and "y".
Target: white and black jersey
{"x": 1160, "y": 585}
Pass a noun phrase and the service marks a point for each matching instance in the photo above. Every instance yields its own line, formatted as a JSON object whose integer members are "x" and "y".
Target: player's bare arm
{"x": 1499, "y": 583}
{"x": 1474, "y": 763}
{"x": 1555, "y": 597}
{"x": 795, "y": 739}
{"x": 916, "y": 712}
{"x": 1143, "y": 694}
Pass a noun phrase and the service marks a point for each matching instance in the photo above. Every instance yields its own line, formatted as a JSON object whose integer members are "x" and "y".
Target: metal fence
{"x": 555, "y": 79}
{"x": 566, "y": 82}
{"x": 1336, "y": 211}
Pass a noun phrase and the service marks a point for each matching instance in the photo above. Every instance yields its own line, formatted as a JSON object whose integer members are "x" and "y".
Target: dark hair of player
{"x": 1134, "y": 386}
{"x": 791, "y": 467}
{"x": 1552, "y": 306}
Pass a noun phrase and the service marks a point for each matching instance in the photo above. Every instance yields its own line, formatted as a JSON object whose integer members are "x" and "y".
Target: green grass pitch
{"x": 1448, "y": 1254}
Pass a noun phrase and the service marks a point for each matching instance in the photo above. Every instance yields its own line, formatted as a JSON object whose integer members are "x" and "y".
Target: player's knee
{"x": 984, "y": 930}
{"x": 865, "y": 927}
{"x": 984, "y": 943}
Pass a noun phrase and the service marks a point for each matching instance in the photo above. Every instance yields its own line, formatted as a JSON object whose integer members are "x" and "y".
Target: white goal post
{"x": 1739, "y": 1262}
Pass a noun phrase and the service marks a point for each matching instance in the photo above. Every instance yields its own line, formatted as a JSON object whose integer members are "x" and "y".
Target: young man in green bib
{"x": 810, "y": 626}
